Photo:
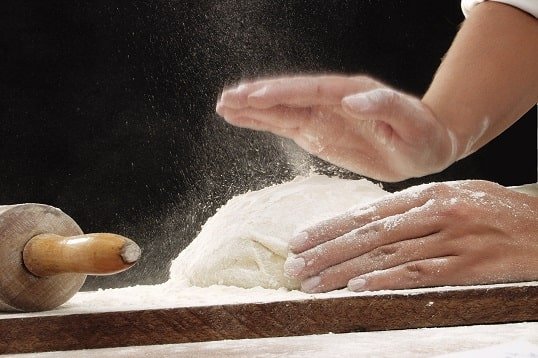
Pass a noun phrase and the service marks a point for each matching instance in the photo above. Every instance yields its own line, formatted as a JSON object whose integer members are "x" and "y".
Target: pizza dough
{"x": 245, "y": 243}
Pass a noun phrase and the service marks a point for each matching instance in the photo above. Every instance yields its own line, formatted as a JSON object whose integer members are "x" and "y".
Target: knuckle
{"x": 373, "y": 228}
{"x": 439, "y": 190}
{"x": 319, "y": 90}
{"x": 383, "y": 252}
{"x": 458, "y": 210}
{"x": 414, "y": 271}
{"x": 310, "y": 113}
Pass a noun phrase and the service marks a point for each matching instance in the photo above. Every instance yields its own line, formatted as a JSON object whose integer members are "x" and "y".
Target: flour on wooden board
{"x": 245, "y": 243}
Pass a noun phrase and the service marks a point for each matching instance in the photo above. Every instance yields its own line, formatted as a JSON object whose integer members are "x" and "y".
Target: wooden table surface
{"x": 491, "y": 340}
{"x": 50, "y": 331}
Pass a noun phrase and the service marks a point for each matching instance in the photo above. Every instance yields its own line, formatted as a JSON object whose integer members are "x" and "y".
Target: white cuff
{"x": 529, "y": 6}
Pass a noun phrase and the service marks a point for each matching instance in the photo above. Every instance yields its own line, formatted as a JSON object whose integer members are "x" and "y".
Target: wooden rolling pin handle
{"x": 90, "y": 254}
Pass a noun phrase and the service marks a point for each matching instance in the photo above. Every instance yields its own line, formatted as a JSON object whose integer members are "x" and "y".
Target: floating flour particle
{"x": 245, "y": 243}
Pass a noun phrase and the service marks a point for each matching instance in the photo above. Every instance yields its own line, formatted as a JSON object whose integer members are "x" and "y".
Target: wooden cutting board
{"x": 21, "y": 333}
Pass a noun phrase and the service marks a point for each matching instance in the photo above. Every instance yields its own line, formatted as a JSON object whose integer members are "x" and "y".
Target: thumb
{"x": 378, "y": 102}
{"x": 403, "y": 113}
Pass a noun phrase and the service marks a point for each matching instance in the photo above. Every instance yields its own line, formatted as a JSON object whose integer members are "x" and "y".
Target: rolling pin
{"x": 45, "y": 257}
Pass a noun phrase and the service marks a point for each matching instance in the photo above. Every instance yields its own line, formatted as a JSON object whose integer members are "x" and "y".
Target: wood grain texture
{"x": 90, "y": 254}
{"x": 272, "y": 319}
{"x": 20, "y": 290}
{"x": 409, "y": 343}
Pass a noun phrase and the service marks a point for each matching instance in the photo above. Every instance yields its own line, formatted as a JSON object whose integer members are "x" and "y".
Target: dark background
{"x": 107, "y": 107}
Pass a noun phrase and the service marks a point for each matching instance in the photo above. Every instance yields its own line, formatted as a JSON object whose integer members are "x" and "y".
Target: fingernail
{"x": 359, "y": 102}
{"x": 259, "y": 93}
{"x": 294, "y": 265}
{"x": 310, "y": 283}
{"x": 356, "y": 284}
{"x": 298, "y": 240}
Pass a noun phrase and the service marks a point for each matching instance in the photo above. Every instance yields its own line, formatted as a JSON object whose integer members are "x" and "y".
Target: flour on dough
{"x": 245, "y": 243}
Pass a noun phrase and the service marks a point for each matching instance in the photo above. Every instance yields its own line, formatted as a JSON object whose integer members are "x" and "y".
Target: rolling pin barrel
{"x": 45, "y": 257}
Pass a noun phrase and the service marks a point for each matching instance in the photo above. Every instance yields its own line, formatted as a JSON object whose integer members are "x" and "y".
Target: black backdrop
{"x": 107, "y": 107}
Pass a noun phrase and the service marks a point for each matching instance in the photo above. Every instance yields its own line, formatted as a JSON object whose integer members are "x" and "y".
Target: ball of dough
{"x": 245, "y": 243}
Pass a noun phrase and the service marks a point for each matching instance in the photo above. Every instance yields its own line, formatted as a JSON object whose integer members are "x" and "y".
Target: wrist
{"x": 462, "y": 129}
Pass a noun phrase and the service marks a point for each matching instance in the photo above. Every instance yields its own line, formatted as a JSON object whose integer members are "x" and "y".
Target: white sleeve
{"x": 530, "y": 6}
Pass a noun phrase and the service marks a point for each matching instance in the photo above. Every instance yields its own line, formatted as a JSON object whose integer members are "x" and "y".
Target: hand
{"x": 454, "y": 233}
{"x": 353, "y": 122}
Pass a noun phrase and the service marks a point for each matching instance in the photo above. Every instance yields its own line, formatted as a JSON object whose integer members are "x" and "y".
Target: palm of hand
{"x": 333, "y": 135}
{"x": 353, "y": 122}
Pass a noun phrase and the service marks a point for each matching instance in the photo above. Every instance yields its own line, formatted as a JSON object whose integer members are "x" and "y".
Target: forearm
{"x": 489, "y": 77}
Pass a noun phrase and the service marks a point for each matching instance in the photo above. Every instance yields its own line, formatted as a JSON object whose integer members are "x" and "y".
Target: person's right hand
{"x": 356, "y": 123}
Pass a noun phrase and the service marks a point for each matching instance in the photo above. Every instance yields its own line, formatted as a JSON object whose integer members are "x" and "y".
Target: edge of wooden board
{"x": 271, "y": 319}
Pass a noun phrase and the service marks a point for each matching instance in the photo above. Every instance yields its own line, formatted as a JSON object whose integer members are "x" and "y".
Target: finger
{"x": 401, "y": 230}
{"x": 424, "y": 273}
{"x": 308, "y": 91}
{"x": 279, "y": 116}
{"x": 382, "y": 258}
{"x": 236, "y": 97}
{"x": 389, "y": 205}
{"x": 249, "y": 123}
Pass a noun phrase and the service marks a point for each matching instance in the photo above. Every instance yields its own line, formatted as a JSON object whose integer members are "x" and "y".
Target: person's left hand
{"x": 454, "y": 233}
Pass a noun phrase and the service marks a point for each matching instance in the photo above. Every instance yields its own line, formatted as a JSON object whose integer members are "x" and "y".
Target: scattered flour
{"x": 175, "y": 294}
{"x": 478, "y": 194}
{"x": 245, "y": 243}
{"x": 239, "y": 254}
